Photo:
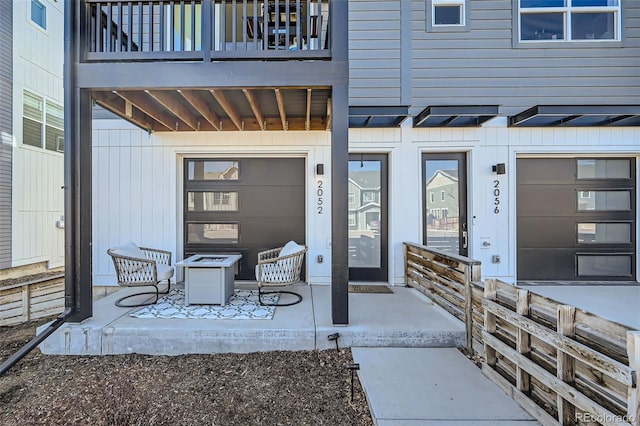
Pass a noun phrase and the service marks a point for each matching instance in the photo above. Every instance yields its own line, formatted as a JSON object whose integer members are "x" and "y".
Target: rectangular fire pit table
{"x": 209, "y": 278}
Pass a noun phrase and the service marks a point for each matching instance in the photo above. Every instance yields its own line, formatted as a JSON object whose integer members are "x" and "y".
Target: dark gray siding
{"x": 484, "y": 66}
{"x": 6, "y": 129}
{"x": 375, "y": 52}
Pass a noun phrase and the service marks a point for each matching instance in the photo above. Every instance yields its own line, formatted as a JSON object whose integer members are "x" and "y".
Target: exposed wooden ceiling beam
{"x": 255, "y": 107}
{"x": 329, "y": 109}
{"x": 118, "y": 106}
{"x": 202, "y": 106}
{"x": 144, "y": 103}
{"x": 227, "y": 106}
{"x": 283, "y": 114}
{"x": 169, "y": 101}
{"x": 307, "y": 124}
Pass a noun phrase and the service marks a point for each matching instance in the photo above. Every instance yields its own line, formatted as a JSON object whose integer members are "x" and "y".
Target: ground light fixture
{"x": 352, "y": 367}
{"x": 334, "y": 337}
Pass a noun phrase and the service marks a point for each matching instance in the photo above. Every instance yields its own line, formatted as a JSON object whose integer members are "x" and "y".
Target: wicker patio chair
{"x": 141, "y": 266}
{"x": 280, "y": 267}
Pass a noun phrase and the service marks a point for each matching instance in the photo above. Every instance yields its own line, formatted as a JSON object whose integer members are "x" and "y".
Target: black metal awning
{"x": 455, "y": 115}
{"x": 577, "y": 116}
{"x": 377, "y": 116}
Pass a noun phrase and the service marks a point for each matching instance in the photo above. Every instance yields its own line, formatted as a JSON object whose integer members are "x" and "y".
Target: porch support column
{"x": 77, "y": 172}
{"x": 340, "y": 167}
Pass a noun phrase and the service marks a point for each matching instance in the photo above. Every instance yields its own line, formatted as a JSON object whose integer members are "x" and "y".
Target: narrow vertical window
{"x": 54, "y": 129}
{"x": 39, "y": 14}
{"x": 32, "y": 119}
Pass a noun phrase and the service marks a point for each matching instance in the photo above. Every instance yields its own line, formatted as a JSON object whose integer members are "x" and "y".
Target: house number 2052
{"x": 496, "y": 196}
{"x": 319, "y": 194}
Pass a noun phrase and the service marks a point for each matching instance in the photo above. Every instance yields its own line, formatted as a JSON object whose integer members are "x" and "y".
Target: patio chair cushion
{"x": 129, "y": 249}
{"x": 291, "y": 248}
{"x": 164, "y": 271}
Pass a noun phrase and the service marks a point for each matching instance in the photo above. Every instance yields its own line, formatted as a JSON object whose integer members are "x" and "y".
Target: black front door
{"x": 444, "y": 195}
{"x": 243, "y": 206}
{"x": 367, "y": 217}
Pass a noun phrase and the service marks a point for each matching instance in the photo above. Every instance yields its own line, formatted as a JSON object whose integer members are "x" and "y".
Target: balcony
{"x": 207, "y": 30}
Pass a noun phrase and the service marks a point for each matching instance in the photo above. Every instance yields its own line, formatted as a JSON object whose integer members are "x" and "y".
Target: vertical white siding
{"x": 137, "y": 186}
{"x": 38, "y": 175}
{"x": 138, "y": 182}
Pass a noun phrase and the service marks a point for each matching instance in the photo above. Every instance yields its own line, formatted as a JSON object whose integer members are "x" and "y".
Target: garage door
{"x": 243, "y": 206}
{"x": 576, "y": 219}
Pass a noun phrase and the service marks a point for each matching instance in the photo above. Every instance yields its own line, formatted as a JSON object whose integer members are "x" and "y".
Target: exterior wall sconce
{"x": 320, "y": 169}
{"x": 499, "y": 169}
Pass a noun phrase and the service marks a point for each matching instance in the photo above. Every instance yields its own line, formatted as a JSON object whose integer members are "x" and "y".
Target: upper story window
{"x": 569, "y": 20}
{"x": 42, "y": 123}
{"x": 447, "y": 12}
{"x": 39, "y": 14}
{"x": 447, "y": 15}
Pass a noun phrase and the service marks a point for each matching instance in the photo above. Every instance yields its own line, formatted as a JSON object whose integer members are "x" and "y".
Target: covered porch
{"x": 403, "y": 318}
{"x": 200, "y": 68}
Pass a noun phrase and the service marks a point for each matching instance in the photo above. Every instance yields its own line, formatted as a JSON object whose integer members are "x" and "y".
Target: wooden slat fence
{"x": 451, "y": 281}
{"x": 564, "y": 365}
{"x": 31, "y": 300}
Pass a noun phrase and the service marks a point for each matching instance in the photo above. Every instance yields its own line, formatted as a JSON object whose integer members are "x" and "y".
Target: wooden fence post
{"x": 490, "y": 293}
{"x": 405, "y": 249}
{"x": 26, "y": 303}
{"x": 566, "y": 372}
{"x": 523, "y": 341}
{"x": 633, "y": 400}
{"x": 468, "y": 308}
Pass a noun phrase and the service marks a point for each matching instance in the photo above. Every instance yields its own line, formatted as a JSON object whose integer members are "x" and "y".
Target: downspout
{"x": 70, "y": 11}
{"x": 15, "y": 358}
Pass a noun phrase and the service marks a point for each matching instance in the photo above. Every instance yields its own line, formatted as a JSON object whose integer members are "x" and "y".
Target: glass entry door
{"x": 444, "y": 205}
{"x": 367, "y": 217}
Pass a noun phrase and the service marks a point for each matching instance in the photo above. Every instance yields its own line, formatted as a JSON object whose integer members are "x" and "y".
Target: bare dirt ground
{"x": 271, "y": 388}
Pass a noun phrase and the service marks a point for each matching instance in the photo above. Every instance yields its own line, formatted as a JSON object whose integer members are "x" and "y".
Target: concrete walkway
{"x": 617, "y": 303}
{"x": 432, "y": 386}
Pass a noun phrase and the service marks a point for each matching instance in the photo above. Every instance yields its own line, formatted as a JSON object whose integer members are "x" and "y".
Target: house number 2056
{"x": 496, "y": 196}
{"x": 319, "y": 194}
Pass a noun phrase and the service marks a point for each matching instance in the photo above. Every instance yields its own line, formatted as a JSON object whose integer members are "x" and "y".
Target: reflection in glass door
{"x": 367, "y": 217}
{"x": 444, "y": 213}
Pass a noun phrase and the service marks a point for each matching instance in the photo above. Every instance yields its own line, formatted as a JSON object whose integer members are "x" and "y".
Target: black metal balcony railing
{"x": 208, "y": 30}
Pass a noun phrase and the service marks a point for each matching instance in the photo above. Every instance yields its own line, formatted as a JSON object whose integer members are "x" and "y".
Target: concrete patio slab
{"x": 403, "y": 318}
{"x": 411, "y": 386}
{"x": 113, "y": 331}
